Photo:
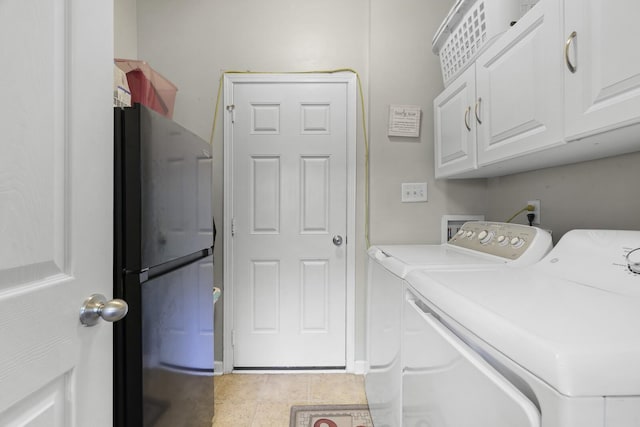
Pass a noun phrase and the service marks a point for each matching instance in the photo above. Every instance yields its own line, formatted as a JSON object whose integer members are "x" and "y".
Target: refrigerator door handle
{"x": 149, "y": 273}
{"x": 144, "y": 275}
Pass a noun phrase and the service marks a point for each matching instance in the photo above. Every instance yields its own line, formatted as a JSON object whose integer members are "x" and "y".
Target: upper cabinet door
{"x": 519, "y": 88}
{"x": 602, "y": 69}
{"x": 455, "y": 127}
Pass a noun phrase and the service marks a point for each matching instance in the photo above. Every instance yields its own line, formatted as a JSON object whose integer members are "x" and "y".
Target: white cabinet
{"x": 561, "y": 86}
{"x": 519, "y": 89}
{"x": 604, "y": 91}
{"x": 455, "y": 126}
{"x": 507, "y": 104}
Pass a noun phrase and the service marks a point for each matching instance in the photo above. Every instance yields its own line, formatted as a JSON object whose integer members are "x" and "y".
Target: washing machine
{"x": 477, "y": 246}
{"x": 554, "y": 344}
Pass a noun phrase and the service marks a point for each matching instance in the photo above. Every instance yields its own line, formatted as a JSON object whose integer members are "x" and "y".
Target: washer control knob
{"x": 633, "y": 260}
{"x": 485, "y": 237}
{"x": 469, "y": 234}
{"x": 460, "y": 232}
{"x": 502, "y": 240}
{"x": 517, "y": 242}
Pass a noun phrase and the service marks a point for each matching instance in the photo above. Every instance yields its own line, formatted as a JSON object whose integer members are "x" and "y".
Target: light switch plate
{"x": 413, "y": 192}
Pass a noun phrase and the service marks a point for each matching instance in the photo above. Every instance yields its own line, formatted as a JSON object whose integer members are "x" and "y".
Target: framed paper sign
{"x": 404, "y": 120}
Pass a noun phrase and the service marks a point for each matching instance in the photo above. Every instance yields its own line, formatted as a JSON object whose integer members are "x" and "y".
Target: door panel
{"x": 315, "y": 194}
{"x": 265, "y": 195}
{"x": 264, "y": 292}
{"x": 314, "y": 286}
{"x": 55, "y": 211}
{"x": 289, "y": 200}
{"x": 604, "y": 91}
{"x": 520, "y": 89}
{"x": 455, "y": 126}
{"x": 44, "y": 407}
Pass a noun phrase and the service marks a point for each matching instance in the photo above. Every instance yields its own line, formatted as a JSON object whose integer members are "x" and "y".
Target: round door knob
{"x": 97, "y": 306}
{"x": 337, "y": 240}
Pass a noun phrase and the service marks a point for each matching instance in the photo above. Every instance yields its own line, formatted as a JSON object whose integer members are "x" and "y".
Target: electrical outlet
{"x": 536, "y": 211}
{"x": 414, "y": 192}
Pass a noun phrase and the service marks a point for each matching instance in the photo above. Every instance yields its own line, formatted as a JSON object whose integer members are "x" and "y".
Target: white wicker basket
{"x": 469, "y": 28}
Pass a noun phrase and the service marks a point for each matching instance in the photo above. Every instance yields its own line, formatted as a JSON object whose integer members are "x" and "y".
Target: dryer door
{"x": 446, "y": 384}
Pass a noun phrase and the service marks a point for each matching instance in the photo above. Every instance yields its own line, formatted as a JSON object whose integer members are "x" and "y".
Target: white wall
{"x": 125, "y": 34}
{"x": 403, "y": 70}
{"x": 596, "y": 194}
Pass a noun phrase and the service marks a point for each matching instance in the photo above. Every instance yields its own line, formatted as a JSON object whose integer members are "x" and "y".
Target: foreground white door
{"x": 56, "y": 150}
{"x": 289, "y": 143}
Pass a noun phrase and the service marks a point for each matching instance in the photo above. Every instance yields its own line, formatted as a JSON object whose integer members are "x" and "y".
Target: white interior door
{"x": 289, "y": 196}
{"x": 56, "y": 181}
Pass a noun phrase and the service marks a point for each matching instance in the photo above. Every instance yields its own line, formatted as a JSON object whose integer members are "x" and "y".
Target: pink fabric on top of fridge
{"x": 148, "y": 87}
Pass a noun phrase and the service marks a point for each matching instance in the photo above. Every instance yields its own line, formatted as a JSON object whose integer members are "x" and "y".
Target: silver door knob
{"x": 337, "y": 240}
{"x": 97, "y": 306}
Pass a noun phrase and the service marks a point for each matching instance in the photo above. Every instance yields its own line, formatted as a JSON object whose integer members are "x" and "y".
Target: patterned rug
{"x": 330, "y": 416}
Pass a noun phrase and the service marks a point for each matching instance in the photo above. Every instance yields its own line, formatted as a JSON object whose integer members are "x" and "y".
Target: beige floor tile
{"x": 285, "y": 387}
{"x": 240, "y": 388}
{"x": 338, "y": 389}
{"x": 234, "y": 414}
{"x": 272, "y": 414}
{"x": 265, "y": 400}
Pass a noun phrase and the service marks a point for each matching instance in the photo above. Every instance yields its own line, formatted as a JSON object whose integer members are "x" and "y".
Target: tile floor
{"x": 264, "y": 400}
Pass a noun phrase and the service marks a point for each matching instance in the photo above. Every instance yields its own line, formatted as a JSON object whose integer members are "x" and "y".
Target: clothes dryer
{"x": 560, "y": 339}
{"x": 477, "y": 246}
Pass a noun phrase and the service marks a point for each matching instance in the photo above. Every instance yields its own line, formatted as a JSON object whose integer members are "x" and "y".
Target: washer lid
{"x": 575, "y": 325}
{"x": 401, "y": 259}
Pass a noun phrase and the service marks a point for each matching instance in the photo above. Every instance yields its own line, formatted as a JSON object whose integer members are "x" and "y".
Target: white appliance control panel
{"x": 603, "y": 259}
{"x": 505, "y": 240}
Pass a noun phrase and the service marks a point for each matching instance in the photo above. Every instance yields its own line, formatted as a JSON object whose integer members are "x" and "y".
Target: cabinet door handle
{"x": 477, "y": 109}
{"x": 466, "y": 118}
{"x": 573, "y": 68}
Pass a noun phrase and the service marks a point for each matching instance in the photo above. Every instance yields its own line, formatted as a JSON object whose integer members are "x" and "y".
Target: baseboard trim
{"x": 218, "y": 368}
{"x": 360, "y": 367}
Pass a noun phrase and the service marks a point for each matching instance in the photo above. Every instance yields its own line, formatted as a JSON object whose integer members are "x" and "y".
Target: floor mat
{"x": 330, "y": 416}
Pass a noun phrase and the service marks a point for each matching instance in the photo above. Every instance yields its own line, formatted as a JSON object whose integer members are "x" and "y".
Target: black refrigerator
{"x": 163, "y": 268}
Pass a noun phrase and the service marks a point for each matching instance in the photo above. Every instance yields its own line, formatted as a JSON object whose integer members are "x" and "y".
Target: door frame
{"x": 229, "y": 80}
